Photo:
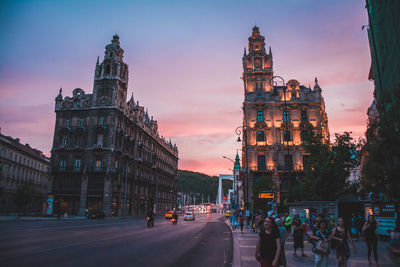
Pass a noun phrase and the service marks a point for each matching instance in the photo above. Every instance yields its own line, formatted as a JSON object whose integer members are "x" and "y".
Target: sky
{"x": 185, "y": 63}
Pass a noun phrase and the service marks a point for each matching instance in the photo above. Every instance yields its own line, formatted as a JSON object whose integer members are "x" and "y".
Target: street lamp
{"x": 239, "y": 131}
{"x": 234, "y": 178}
{"x": 286, "y": 135}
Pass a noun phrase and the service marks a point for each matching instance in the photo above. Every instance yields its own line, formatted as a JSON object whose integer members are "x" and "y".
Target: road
{"x": 207, "y": 241}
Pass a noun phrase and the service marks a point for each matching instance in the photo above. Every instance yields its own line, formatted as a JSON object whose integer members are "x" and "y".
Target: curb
{"x": 236, "y": 262}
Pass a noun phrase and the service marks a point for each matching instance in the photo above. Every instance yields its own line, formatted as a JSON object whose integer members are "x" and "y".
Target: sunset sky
{"x": 185, "y": 63}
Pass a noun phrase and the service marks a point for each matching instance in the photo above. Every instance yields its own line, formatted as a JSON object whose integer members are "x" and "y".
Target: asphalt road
{"x": 207, "y": 241}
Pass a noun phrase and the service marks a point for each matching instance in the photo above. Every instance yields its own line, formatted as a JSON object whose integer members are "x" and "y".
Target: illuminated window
{"x": 286, "y": 116}
{"x": 260, "y": 136}
{"x": 260, "y": 116}
{"x": 98, "y": 164}
{"x": 259, "y": 96}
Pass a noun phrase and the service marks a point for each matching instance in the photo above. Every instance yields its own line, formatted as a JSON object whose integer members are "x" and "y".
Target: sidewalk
{"x": 244, "y": 245}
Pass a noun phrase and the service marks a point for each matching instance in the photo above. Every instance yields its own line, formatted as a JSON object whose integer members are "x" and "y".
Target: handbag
{"x": 322, "y": 247}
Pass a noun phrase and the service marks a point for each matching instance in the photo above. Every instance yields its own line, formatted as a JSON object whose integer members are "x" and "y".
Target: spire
{"x": 97, "y": 62}
{"x": 236, "y": 167}
{"x": 131, "y": 100}
{"x": 244, "y": 53}
{"x": 316, "y": 86}
{"x": 59, "y": 97}
{"x": 270, "y": 51}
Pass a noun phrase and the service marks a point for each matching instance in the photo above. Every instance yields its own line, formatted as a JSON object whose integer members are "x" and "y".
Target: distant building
{"x": 106, "y": 150}
{"x": 272, "y": 135}
{"x": 19, "y": 164}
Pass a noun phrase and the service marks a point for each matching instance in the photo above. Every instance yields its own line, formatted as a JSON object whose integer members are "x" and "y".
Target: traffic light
{"x": 224, "y": 197}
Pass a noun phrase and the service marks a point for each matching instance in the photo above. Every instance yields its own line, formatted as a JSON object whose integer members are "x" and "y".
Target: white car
{"x": 189, "y": 216}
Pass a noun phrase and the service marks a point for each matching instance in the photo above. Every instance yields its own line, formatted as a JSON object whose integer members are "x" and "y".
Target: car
{"x": 189, "y": 216}
{"x": 228, "y": 213}
{"x": 168, "y": 214}
{"x": 96, "y": 214}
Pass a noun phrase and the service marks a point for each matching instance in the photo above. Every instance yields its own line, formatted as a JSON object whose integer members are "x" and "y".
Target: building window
{"x": 77, "y": 164}
{"x": 260, "y": 136}
{"x": 62, "y": 164}
{"x": 81, "y": 123}
{"x": 67, "y": 123}
{"x": 65, "y": 142}
{"x": 306, "y": 161}
{"x": 287, "y": 136}
{"x": 261, "y": 162}
{"x": 101, "y": 121}
{"x": 286, "y": 116}
{"x": 98, "y": 164}
{"x": 259, "y": 96}
{"x": 304, "y": 115}
{"x": 100, "y": 140}
{"x": 288, "y": 162}
{"x": 260, "y": 116}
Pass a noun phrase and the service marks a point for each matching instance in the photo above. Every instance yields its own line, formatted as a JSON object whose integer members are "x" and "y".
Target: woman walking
{"x": 298, "y": 233}
{"x": 268, "y": 246}
{"x": 320, "y": 237}
{"x": 341, "y": 235}
{"x": 369, "y": 230}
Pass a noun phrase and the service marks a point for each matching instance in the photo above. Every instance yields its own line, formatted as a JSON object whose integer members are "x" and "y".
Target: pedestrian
{"x": 241, "y": 223}
{"x": 282, "y": 233}
{"x": 233, "y": 221}
{"x": 288, "y": 224}
{"x": 260, "y": 222}
{"x": 269, "y": 244}
{"x": 354, "y": 225}
{"x": 341, "y": 234}
{"x": 298, "y": 234}
{"x": 360, "y": 225}
{"x": 369, "y": 230}
{"x": 253, "y": 223}
{"x": 320, "y": 238}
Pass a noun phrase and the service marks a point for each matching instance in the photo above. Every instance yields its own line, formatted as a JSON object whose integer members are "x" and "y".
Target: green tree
{"x": 201, "y": 184}
{"x": 327, "y": 168}
{"x": 381, "y": 165}
{"x": 27, "y": 196}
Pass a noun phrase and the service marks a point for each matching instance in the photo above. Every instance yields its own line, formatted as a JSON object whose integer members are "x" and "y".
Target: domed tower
{"x": 111, "y": 77}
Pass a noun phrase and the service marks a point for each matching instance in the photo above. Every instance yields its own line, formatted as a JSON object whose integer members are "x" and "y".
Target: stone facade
{"x": 107, "y": 149}
{"x": 272, "y": 135}
{"x": 19, "y": 164}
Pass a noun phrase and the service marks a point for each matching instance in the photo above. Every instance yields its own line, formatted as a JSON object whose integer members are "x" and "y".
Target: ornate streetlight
{"x": 239, "y": 130}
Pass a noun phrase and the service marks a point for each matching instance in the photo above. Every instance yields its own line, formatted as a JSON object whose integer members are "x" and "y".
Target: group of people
{"x": 274, "y": 232}
{"x": 237, "y": 220}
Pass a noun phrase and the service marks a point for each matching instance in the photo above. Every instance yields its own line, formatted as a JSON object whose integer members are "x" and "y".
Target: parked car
{"x": 168, "y": 214}
{"x": 189, "y": 216}
{"x": 96, "y": 214}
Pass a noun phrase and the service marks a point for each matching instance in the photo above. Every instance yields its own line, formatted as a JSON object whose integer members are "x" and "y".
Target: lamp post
{"x": 239, "y": 131}
{"x": 286, "y": 135}
{"x": 234, "y": 179}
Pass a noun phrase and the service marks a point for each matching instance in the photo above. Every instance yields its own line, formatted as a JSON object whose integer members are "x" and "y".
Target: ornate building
{"x": 108, "y": 152}
{"x": 273, "y": 120}
{"x": 21, "y": 164}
